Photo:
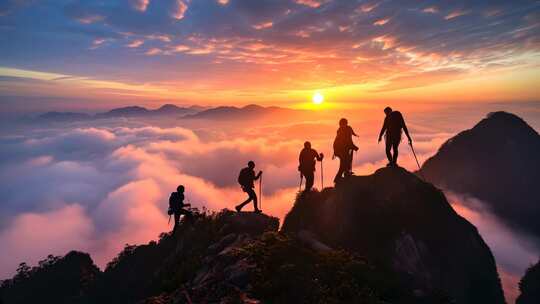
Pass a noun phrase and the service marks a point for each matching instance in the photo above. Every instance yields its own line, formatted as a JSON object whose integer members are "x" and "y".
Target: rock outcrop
{"x": 529, "y": 286}
{"x": 400, "y": 222}
{"x": 497, "y": 161}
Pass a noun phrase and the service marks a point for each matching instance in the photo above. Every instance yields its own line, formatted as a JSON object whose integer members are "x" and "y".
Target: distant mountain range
{"x": 246, "y": 112}
{"x": 193, "y": 112}
{"x": 497, "y": 161}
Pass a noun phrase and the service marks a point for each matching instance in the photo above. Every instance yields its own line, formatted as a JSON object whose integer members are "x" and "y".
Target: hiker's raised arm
{"x": 352, "y": 132}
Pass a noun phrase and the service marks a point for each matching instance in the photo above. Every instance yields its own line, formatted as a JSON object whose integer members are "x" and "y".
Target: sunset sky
{"x": 97, "y": 184}
{"x": 59, "y": 53}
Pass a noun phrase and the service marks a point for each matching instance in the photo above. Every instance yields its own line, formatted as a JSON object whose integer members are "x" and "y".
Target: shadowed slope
{"x": 403, "y": 223}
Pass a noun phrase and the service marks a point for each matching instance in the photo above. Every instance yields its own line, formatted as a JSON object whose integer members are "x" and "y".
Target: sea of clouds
{"x": 99, "y": 185}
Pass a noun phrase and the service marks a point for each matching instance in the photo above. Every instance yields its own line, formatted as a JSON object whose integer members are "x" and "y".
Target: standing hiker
{"x": 176, "y": 206}
{"x": 246, "y": 179}
{"x": 307, "y": 159}
{"x": 393, "y": 124}
{"x": 343, "y": 149}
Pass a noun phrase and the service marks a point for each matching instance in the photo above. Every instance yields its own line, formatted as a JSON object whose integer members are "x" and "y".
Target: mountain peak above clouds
{"x": 395, "y": 219}
{"x": 496, "y": 161}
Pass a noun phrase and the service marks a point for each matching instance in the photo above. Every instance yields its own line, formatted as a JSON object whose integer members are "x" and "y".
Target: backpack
{"x": 243, "y": 177}
{"x": 340, "y": 145}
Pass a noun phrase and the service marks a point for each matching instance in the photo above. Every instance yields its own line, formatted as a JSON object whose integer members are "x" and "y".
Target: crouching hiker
{"x": 246, "y": 179}
{"x": 176, "y": 207}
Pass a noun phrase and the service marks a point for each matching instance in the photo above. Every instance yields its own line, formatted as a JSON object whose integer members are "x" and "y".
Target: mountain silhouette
{"x": 193, "y": 112}
{"x": 530, "y": 286}
{"x": 384, "y": 238}
{"x": 497, "y": 161}
{"x": 55, "y": 280}
{"x": 127, "y": 112}
{"x": 244, "y": 113}
{"x": 398, "y": 221}
{"x": 64, "y": 116}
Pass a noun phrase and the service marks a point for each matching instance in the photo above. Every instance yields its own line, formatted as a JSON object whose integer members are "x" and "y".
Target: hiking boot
{"x": 238, "y": 208}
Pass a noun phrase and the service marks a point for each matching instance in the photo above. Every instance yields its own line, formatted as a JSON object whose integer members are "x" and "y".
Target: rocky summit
{"x": 400, "y": 222}
{"x": 384, "y": 238}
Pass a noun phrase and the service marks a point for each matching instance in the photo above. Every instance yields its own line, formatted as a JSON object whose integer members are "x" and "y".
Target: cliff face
{"x": 530, "y": 286}
{"x": 496, "y": 161}
{"x": 400, "y": 222}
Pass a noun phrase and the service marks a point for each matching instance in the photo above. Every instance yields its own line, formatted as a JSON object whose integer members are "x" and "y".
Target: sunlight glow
{"x": 318, "y": 98}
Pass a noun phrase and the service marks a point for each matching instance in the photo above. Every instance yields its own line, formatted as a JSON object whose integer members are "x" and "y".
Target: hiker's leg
{"x": 388, "y": 152}
{"x": 395, "y": 146}
{"x": 309, "y": 180}
{"x": 253, "y": 197}
{"x": 239, "y": 207}
{"x": 349, "y": 161}
{"x": 245, "y": 202}
{"x": 341, "y": 169}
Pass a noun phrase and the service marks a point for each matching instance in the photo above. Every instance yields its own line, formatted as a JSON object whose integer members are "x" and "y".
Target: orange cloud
{"x": 179, "y": 10}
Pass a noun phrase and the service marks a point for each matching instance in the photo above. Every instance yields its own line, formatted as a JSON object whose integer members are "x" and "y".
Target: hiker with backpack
{"x": 343, "y": 149}
{"x": 308, "y": 158}
{"x": 177, "y": 207}
{"x": 392, "y": 127}
{"x": 246, "y": 179}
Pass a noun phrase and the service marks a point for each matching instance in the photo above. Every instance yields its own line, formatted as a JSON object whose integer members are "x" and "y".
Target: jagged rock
{"x": 247, "y": 222}
{"x": 401, "y": 222}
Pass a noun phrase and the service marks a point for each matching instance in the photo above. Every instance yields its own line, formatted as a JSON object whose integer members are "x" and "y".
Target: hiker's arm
{"x": 406, "y": 130}
{"x": 319, "y": 156}
{"x": 383, "y": 129}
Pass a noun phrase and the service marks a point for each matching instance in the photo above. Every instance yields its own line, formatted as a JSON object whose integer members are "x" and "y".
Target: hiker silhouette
{"x": 176, "y": 207}
{"x": 307, "y": 160}
{"x": 391, "y": 129}
{"x": 343, "y": 149}
{"x": 246, "y": 179}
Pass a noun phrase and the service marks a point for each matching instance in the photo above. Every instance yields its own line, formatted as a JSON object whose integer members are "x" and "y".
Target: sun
{"x": 318, "y": 98}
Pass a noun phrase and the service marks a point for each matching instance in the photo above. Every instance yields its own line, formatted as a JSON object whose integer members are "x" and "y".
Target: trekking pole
{"x": 417, "y": 163}
{"x": 322, "y": 176}
{"x": 260, "y": 192}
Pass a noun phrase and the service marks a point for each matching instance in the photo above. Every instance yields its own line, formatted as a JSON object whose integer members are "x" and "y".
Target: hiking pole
{"x": 322, "y": 176}
{"x": 260, "y": 193}
{"x": 417, "y": 163}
